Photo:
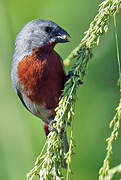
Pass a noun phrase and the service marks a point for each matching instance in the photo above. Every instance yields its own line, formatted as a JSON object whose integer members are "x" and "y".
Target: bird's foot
{"x": 70, "y": 74}
{"x": 50, "y": 125}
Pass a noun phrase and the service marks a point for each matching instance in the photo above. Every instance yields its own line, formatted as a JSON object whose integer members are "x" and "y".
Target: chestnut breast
{"x": 42, "y": 76}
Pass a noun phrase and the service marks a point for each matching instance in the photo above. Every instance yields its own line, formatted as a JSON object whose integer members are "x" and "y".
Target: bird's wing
{"x": 21, "y": 98}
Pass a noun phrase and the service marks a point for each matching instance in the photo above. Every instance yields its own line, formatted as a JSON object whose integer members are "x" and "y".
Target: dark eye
{"x": 48, "y": 29}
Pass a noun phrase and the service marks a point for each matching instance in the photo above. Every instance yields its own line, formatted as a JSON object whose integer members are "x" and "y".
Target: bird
{"x": 37, "y": 73}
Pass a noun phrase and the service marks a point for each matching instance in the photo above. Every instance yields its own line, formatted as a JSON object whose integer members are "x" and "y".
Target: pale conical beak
{"x": 61, "y": 36}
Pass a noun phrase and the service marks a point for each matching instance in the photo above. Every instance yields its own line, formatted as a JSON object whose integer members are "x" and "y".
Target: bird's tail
{"x": 64, "y": 138}
{"x": 66, "y": 148}
{"x": 65, "y": 141}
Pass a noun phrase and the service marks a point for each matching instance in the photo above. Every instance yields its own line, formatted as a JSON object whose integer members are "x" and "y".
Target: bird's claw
{"x": 70, "y": 74}
{"x": 50, "y": 126}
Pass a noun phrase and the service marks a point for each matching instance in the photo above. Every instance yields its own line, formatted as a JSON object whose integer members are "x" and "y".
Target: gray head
{"x": 37, "y": 33}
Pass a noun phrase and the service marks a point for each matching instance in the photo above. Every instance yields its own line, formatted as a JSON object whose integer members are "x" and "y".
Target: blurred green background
{"x": 21, "y": 134}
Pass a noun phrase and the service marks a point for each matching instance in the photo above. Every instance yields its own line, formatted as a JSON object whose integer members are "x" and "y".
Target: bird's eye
{"x": 48, "y": 29}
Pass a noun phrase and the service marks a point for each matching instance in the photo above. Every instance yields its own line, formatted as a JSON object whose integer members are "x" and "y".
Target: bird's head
{"x": 39, "y": 33}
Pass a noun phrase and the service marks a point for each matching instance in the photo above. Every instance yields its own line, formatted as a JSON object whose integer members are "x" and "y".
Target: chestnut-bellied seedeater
{"x": 38, "y": 74}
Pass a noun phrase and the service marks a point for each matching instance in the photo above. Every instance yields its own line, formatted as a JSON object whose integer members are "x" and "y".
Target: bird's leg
{"x": 46, "y": 128}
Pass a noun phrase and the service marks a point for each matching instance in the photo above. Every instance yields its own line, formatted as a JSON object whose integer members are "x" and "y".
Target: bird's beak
{"x": 61, "y": 37}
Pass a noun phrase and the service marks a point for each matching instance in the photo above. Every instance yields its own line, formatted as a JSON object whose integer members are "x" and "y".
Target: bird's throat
{"x": 43, "y": 50}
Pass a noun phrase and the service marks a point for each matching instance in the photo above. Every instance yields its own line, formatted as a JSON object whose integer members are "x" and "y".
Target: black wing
{"x": 21, "y": 98}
